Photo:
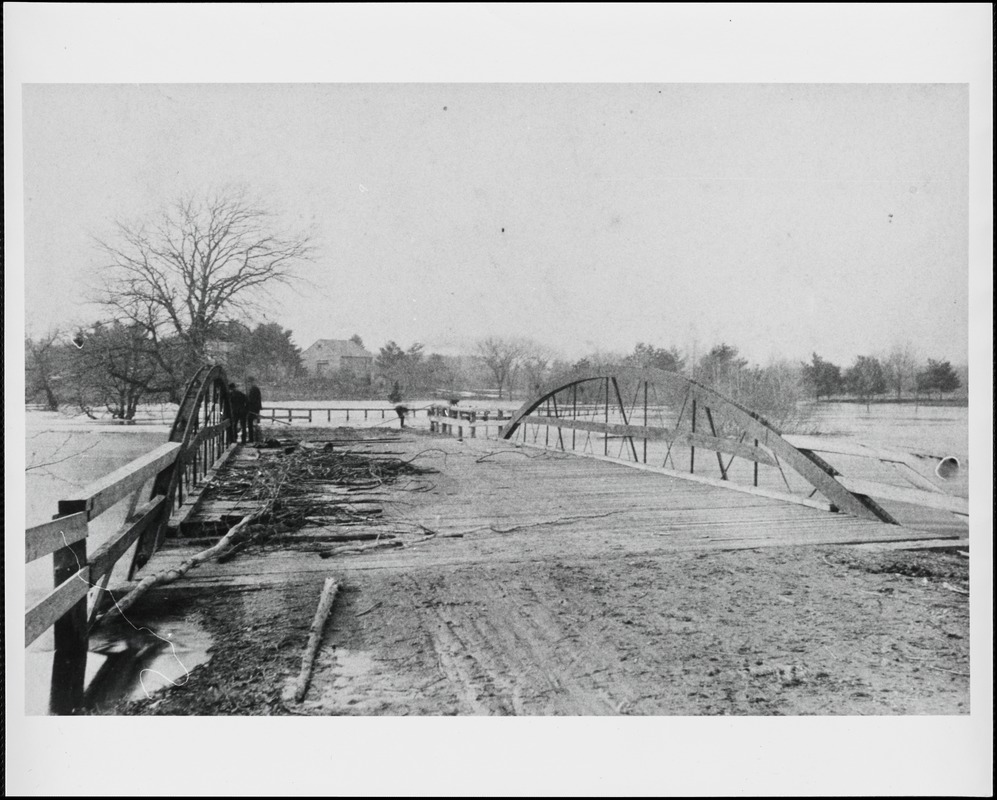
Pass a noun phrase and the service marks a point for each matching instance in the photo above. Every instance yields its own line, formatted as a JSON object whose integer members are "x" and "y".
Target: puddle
{"x": 123, "y": 664}
{"x": 139, "y": 663}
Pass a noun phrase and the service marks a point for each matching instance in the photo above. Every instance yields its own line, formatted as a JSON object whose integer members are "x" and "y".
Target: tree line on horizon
{"x": 179, "y": 289}
{"x": 113, "y": 367}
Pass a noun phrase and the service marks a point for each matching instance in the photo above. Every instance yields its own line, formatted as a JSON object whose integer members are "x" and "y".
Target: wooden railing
{"x": 446, "y": 419}
{"x": 287, "y": 414}
{"x": 175, "y": 469}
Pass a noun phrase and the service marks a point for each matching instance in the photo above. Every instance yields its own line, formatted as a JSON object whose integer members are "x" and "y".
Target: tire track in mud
{"x": 563, "y": 659}
{"x": 474, "y": 671}
{"x": 513, "y": 655}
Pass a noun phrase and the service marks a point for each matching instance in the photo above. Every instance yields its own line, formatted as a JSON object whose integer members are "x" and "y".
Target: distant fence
{"x": 287, "y": 414}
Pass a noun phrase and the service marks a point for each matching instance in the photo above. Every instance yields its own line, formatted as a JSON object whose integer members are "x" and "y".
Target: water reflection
{"x": 123, "y": 663}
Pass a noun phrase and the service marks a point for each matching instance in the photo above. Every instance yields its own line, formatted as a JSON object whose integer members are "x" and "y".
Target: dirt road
{"x": 779, "y": 632}
{"x": 770, "y": 631}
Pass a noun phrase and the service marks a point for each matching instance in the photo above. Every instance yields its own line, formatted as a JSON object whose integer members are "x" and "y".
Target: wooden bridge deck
{"x": 492, "y": 501}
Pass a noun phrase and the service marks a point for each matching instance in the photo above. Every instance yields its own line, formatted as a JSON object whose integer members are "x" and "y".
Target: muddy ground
{"x": 773, "y": 631}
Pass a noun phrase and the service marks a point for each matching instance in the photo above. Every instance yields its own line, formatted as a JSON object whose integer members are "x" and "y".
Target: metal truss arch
{"x": 203, "y": 419}
{"x": 768, "y": 448}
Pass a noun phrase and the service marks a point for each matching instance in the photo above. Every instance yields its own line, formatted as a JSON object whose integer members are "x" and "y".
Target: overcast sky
{"x": 782, "y": 218}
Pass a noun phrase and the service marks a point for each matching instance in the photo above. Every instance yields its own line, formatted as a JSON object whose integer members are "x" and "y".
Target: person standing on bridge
{"x": 254, "y": 409}
{"x": 237, "y": 400}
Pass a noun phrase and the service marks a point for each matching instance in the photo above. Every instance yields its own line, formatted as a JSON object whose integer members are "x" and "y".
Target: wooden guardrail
{"x": 65, "y": 537}
{"x": 445, "y": 419}
{"x": 287, "y": 414}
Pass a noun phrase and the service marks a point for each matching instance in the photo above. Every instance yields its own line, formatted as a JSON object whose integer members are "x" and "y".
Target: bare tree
{"x": 536, "y": 365}
{"x": 116, "y": 367}
{"x": 179, "y": 276}
{"x": 900, "y": 366}
{"x": 502, "y": 357}
{"x": 44, "y": 359}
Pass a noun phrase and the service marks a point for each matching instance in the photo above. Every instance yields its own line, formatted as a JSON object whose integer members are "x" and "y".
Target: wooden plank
{"x": 107, "y": 555}
{"x": 922, "y": 544}
{"x": 99, "y": 496}
{"x": 715, "y": 443}
{"x": 942, "y": 502}
{"x": 830, "y": 444}
{"x": 60, "y": 600}
{"x": 40, "y": 540}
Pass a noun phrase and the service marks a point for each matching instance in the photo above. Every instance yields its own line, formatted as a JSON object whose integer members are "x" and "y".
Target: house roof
{"x": 342, "y": 348}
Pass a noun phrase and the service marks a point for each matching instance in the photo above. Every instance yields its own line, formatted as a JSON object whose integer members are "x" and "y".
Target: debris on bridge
{"x": 308, "y": 478}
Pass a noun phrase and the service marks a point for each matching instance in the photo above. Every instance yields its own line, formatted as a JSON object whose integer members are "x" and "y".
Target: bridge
{"x": 635, "y": 462}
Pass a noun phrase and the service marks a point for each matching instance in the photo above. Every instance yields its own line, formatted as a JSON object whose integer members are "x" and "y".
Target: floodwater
{"x": 64, "y": 454}
{"x": 933, "y": 430}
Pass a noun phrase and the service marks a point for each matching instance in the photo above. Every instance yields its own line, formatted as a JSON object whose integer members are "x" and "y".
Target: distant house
{"x": 328, "y": 355}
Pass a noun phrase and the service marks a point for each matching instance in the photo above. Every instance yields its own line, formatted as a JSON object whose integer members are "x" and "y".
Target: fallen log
{"x": 224, "y": 545}
{"x": 353, "y": 537}
{"x": 329, "y": 591}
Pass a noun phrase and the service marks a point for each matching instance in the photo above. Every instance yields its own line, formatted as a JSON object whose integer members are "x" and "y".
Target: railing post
{"x": 756, "y": 466}
{"x": 71, "y": 640}
{"x": 645, "y": 420}
{"x": 692, "y": 447}
{"x": 605, "y": 449}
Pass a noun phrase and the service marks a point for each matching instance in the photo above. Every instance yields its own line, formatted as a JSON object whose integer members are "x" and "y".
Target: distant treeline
{"x": 114, "y": 367}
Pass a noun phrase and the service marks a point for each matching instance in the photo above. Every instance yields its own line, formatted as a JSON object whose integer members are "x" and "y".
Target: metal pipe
{"x": 645, "y": 420}
{"x": 605, "y": 447}
{"x": 756, "y": 466}
{"x": 692, "y": 447}
{"x": 574, "y": 411}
